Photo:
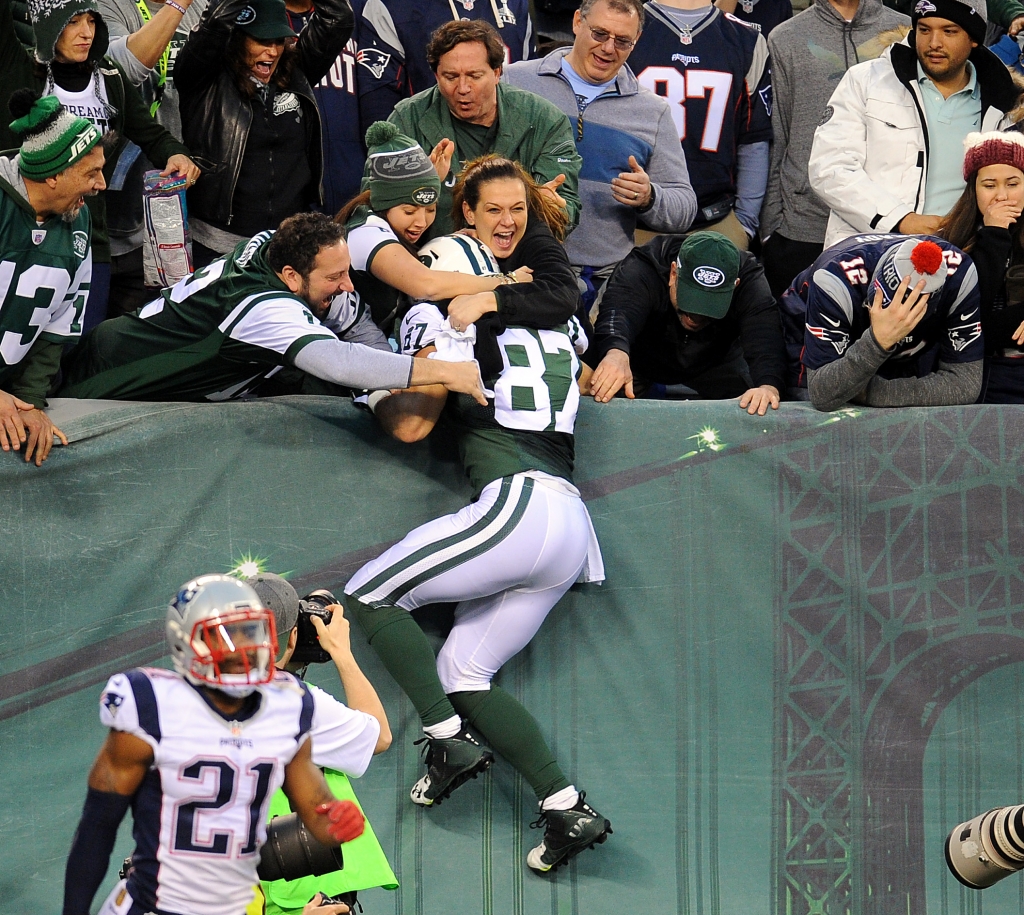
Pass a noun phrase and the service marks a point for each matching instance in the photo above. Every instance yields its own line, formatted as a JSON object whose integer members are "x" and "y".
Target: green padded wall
{"x": 805, "y": 666}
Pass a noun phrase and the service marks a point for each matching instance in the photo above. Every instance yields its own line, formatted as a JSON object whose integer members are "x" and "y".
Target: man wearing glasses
{"x": 633, "y": 167}
{"x": 690, "y": 317}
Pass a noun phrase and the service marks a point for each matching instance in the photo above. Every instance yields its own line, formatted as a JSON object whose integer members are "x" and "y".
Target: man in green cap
{"x": 45, "y": 261}
{"x": 692, "y": 317}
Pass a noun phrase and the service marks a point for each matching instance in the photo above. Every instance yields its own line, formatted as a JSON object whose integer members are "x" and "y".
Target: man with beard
{"x": 45, "y": 261}
{"x": 222, "y": 332}
{"x": 888, "y": 154}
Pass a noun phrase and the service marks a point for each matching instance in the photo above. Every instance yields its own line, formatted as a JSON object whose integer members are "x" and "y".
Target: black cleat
{"x": 451, "y": 761}
{"x": 566, "y": 834}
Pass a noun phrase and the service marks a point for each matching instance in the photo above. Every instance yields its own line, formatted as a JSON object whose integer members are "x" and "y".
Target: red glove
{"x": 347, "y": 822}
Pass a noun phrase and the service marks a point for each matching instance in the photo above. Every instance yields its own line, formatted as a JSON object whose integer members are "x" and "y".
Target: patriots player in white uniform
{"x": 197, "y": 752}
{"x": 512, "y": 553}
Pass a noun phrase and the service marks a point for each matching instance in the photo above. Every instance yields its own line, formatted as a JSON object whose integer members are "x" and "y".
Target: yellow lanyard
{"x": 161, "y": 64}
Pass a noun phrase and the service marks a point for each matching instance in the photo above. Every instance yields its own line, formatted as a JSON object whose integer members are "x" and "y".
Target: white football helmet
{"x": 221, "y": 635}
{"x": 459, "y": 254}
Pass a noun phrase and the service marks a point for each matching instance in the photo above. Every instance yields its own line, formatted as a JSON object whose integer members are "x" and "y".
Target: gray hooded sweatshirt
{"x": 809, "y": 54}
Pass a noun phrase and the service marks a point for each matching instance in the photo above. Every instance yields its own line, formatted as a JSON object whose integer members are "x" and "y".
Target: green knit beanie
{"x": 52, "y": 138}
{"x": 400, "y": 172}
{"x": 50, "y": 17}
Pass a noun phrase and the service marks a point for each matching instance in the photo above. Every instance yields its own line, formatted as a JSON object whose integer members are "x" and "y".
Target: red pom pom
{"x": 926, "y": 257}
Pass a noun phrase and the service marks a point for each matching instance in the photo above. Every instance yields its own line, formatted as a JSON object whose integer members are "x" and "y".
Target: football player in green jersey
{"x": 45, "y": 261}
{"x": 510, "y": 555}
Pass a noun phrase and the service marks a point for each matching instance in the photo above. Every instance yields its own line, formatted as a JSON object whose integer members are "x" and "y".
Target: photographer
{"x": 344, "y": 740}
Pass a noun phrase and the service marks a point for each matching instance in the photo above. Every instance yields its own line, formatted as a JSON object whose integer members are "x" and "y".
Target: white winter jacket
{"x": 869, "y": 158}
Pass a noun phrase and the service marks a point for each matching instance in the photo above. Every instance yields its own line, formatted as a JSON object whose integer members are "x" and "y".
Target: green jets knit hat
{"x": 400, "y": 171}
{"x": 706, "y": 270}
{"x": 49, "y": 19}
{"x": 266, "y": 20}
{"x": 52, "y": 138}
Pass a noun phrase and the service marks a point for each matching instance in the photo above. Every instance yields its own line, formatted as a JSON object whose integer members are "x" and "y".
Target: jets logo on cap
{"x": 708, "y": 277}
{"x": 424, "y": 196}
{"x": 924, "y": 6}
{"x": 246, "y": 16}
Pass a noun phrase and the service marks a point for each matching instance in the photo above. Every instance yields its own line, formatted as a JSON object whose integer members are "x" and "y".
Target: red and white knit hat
{"x": 992, "y": 148}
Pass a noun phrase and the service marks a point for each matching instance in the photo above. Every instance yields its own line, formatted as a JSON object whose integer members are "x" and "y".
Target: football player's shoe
{"x": 451, "y": 761}
{"x": 566, "y": 834}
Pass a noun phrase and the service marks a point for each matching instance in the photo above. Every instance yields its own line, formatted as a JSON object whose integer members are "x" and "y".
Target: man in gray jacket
{"x": 633, "y": 165}
{"x": 810, "y": 54}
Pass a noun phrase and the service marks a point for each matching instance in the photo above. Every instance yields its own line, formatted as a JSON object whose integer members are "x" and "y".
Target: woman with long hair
{"x": 390, "y": 219}
{"x": 501, "y": 203}
{"x": 985, "y": 223}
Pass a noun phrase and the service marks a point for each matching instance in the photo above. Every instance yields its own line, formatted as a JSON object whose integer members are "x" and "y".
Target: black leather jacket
{"x": 215, "y": 118}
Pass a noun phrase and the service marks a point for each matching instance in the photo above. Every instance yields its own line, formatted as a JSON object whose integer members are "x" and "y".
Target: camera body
{"x": 307, "y": 644}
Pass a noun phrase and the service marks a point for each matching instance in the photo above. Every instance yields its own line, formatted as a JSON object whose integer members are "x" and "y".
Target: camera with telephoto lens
{"x": 307, "y": 644}
{"x": 987, "y": 848}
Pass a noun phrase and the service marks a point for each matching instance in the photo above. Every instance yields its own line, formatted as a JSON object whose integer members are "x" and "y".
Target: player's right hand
{"x": 612, "y": 374}
{"x": 891, "y": 324}
{"x": 346, "y": 820}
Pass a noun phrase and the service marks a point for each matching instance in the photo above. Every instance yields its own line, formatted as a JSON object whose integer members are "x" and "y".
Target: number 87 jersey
{"x": 716, "y": 78}
{"x": 529, "y": 423}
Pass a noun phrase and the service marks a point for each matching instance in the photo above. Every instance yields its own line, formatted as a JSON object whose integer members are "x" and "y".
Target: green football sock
{"x": 513, "y": 732}
{"x": 406, "y": 653}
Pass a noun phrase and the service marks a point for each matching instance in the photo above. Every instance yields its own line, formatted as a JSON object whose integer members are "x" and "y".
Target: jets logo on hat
{"x": 708, "y": 277}
{"x": 248, "y": 16}
{"x": 924, "y": 6}
{"x": 425, "y": 196}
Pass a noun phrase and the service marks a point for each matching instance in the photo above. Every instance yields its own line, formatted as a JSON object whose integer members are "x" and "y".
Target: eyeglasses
{"x": 603, "y": 37}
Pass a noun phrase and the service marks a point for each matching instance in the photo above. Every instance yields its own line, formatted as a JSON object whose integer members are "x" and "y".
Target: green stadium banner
{"x": 806, "y": 665}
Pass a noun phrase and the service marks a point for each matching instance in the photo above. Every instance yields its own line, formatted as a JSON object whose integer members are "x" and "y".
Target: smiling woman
{"x": 245, "y": 83}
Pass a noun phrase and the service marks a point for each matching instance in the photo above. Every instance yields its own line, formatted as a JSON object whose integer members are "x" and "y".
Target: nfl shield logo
{"x": 38, "y": 235}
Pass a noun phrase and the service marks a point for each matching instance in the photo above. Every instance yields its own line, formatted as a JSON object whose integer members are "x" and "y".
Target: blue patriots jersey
{"x": 717, "y": 80}
{"x": 835, "y": 293}
{"x": 764, "y": 15}
{"x": 341, "y": 131}
{"x": 393, "y": 36}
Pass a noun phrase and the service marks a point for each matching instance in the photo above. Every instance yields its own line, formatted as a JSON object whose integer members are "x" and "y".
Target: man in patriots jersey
{"x": 338, "y": 100}
{"x": 715, "y": 73}
{"x": 393, "y": 37}
{"x": 221, "y": 333}
{"x": 196, "y": 753}
{"x": 889, "y": 321}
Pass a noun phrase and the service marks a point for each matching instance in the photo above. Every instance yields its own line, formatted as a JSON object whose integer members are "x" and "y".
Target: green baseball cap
{"x": 706, "y": 270}
{"x": 265, "y": 20}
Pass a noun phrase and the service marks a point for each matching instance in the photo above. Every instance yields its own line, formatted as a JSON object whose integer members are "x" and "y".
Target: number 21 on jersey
{"x": 677, "y": 87}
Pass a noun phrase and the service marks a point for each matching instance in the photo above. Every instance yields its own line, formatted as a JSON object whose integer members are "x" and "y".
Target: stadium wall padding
{"x": 805, "y": 667}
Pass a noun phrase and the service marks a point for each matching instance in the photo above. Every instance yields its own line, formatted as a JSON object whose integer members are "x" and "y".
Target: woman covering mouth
{"x": 388, "y": 221}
